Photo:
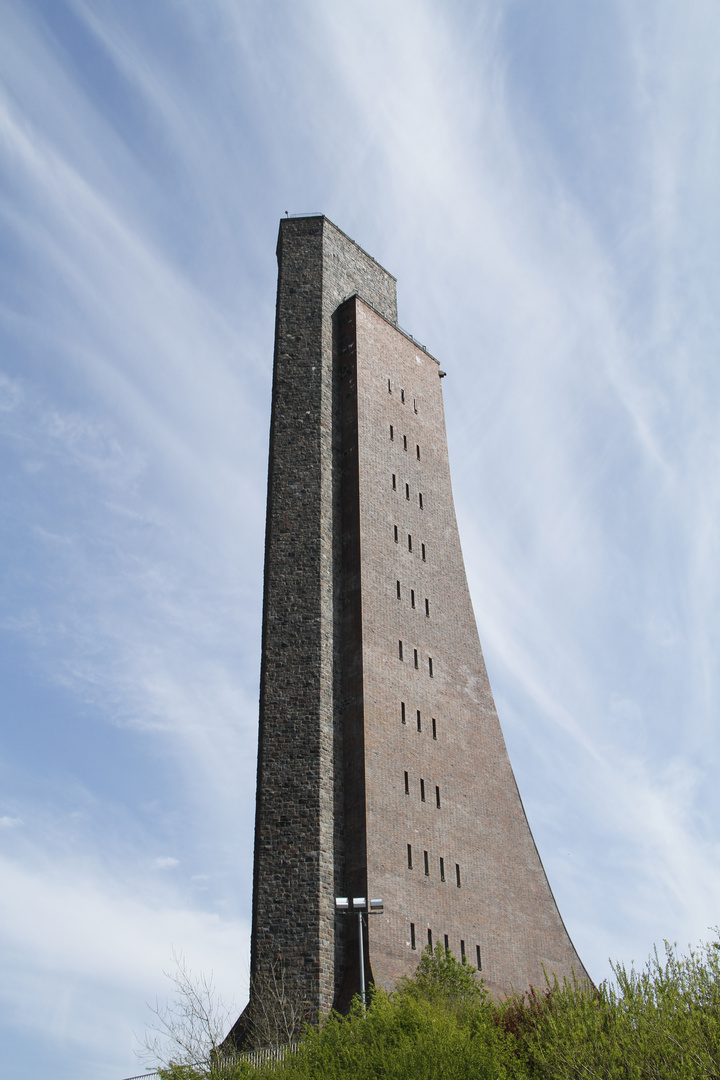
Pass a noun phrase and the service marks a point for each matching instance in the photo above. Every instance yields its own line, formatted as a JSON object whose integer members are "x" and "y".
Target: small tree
{"x": 278, "y": 1016}
{"x": 440, "y": 978}
{"x": 188, "y": 1030}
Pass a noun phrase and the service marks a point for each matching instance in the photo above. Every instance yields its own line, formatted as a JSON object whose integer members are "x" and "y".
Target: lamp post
{"x": 360, "y": 904}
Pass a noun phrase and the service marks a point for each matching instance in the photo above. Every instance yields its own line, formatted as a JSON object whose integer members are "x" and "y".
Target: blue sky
{"x": 542, "y": 180}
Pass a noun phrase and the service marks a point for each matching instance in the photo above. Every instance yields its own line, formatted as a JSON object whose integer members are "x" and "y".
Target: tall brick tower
{"x": 382, "y": 769}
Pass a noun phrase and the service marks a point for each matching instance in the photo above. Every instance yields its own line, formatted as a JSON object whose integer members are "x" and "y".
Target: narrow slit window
{"x": 400, "y": 650}
{"x": 479, "y": 958}
{"x": 392, "y": 434}
{"x": 412, "y": 935}
{"x": 402, "y": 394}
{"x": 389, "y": 387}
{"x": 396, "y": 534}
{"x": 422, "y": 546}
{"x": 404, "y": 442}
{"x": 407, "y": 491}
{"x": 415, "y": 657}
{"x": 420, "y": 499}
{"x": 447, "y": 943}
{"x": 412, "y": 598}
{"x": 409, "y": 856}
{"x": 457, "y": 874}
{"x": 437, "y": 796}
{"x": 427, "y": 863}
{"x": 434, "y": 727}
{"x": 402, "y": 711}
{"x": 429, "y": 666}
{"x": 417, "y": 451}
{"x": 429, "y": 938}
{"x": 462, "y": 951}
{"x": 442, "y": 869}
{"x": 394, "y": 482}
{"x": 409, "y": 542}
{"x": 422, "y": 790}
{"x": 397, "y": 583}
{"x": 427, "y": 607}
{"x": 415, "y": 404}
{"x": 419, "y": 721}
{"x": 407, "y": 784}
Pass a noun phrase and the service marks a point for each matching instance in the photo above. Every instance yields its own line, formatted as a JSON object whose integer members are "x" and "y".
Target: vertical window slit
{"x": 397, "y": 583}
{"x": 400, "y": 650}
{"x": 389, "y": 387}
{"x": 429, "y": 938}
{"x": 427, "y": 607}
{"x": 402, "y": 394}
{"x": 434, "y": 727}
{"x": 412, "y": 935}
{"x": 396, "y": 534}
{"x": 409, "y": 856}
{"x": 422, "y": 790}
{"x": 419, "y": 723}
{"x": 394, "y": 482}
{"x": 412, "y": 598}
{"x": 404, "y": 442}
{"x": 447, "y": 943}
{"x": 437, "y": 797}
{"x": 427, "y": 863}
{"x": 457, "y": 874}
{"x": 420, "y": 499}
{"x": 415, "y": 657}
{"x": 417, "y": 451}
{"x": 462, "y": 951}
{"x": 407, "y": 491}
{"x": 407, "y": 784}
{"x": 409, "y": 542}
{"x": 479, "y": 958}
{"x": 402, "y": 711}
{"x": 392, "y": 433}
{"x": 423, "y": 552}
{"x": 442, "y": 869}
{"x": 429, "y": 666}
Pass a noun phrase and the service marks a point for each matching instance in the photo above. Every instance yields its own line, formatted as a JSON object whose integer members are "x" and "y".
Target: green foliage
{"x": 442, "y": 979}
{"x": 409, "y": 1036}
{"x": 659, "y": 1023}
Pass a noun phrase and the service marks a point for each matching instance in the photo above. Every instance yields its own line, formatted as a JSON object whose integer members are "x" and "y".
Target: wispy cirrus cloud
{"x": 542, "y": 184}
{"x": 584, "y": 454}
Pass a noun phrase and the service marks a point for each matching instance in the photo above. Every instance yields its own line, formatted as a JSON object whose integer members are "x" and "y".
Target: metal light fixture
{"x": 362, "y": 906}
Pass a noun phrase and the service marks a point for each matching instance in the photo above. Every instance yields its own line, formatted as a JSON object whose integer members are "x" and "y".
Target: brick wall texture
{"x": 380, "y": 744}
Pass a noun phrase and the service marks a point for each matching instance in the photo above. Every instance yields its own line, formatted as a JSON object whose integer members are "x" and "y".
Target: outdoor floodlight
{"x": 362, "y": 906}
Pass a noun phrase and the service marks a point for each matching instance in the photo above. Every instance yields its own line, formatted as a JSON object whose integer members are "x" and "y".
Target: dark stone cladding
{"x": 298, "y": 826}
{"x": 331, "y": 814}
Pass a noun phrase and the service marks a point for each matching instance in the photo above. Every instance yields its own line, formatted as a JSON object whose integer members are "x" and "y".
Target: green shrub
{"x": 404, "y": 1037}
{"x": 659, "y": 1023}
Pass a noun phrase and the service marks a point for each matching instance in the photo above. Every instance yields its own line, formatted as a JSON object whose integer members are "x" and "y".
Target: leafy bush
{"x": 440, "y": 1023}
{"x": 659, "y": 1023}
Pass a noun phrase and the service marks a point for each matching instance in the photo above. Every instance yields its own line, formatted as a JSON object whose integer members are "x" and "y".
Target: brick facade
{"x": 358, "y": 746}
